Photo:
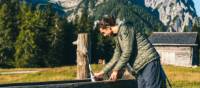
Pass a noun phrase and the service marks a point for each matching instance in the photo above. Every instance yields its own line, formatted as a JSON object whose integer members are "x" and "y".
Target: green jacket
{"x": 131, "y": 47}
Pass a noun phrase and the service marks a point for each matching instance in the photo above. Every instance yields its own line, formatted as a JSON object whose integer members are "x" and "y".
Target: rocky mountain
{"x": 177, "y": 15}
{"x": 76, "y": 7}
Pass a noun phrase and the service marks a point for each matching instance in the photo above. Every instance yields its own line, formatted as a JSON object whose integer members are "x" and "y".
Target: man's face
{"x": 106, "y": 31}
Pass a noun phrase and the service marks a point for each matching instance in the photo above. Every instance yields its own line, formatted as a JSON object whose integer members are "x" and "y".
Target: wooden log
{"x": 108, "y": 84}
{"x": 75, "y": 84}
{"x": 83, "y": 55}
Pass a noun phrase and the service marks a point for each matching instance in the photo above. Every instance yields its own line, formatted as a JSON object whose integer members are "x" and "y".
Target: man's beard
{"x": 114, "y": 34}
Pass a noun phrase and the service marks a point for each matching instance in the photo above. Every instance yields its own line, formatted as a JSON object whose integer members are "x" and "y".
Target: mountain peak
{"x": 178, "y": 15}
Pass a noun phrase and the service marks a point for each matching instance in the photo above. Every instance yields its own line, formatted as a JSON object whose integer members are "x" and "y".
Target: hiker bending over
{"x": 134, "y": 48}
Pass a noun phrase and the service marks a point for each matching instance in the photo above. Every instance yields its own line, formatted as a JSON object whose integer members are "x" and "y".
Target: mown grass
{"x": 180, "y": 77}
{"x": 183, "y": 77}
{"x": 44, "y": 74}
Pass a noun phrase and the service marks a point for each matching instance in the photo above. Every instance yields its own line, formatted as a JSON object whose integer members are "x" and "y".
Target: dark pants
{"x": 151, "y": 76}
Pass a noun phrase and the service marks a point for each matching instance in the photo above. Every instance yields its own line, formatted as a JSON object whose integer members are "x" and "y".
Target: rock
{"x": 176, "y": 14}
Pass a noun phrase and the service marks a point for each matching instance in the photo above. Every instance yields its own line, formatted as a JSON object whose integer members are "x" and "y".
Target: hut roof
{"x": 174, "y": 38}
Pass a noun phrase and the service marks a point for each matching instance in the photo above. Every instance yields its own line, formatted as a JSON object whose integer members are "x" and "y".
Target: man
{"x": 134, "y": 48}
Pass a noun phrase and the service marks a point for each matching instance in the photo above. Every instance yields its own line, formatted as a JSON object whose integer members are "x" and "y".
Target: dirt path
{"x": 18, "y": 72}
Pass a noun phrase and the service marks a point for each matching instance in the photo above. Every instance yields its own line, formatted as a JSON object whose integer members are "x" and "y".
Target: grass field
{"x": 179, "y": 77}
{"x": 182, "y": 77}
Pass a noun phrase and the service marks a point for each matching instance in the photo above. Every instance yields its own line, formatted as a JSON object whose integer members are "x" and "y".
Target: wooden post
{"x": 83, "y": 55}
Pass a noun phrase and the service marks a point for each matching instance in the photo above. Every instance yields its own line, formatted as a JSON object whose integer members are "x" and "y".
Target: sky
{"x": 197, "y": 6}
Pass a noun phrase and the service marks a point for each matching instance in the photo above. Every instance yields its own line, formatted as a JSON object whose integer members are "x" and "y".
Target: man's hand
{"x": 99, "y": 76}
{"x": 114, "y": 75}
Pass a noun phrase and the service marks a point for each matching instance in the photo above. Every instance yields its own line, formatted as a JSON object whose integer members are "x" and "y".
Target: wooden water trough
{"x": 75, "y": 84}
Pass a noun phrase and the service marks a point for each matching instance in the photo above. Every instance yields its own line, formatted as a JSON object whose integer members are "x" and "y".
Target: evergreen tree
{"x": 196, "y": 28}
{"x": 56, "y": 38}
{"x": 34, "y": 36}
{"x": 83, "y": 21}
{"x": 31, "y": 22}
{"x": 56, "y": 41}
{"x": 8, "y": 30}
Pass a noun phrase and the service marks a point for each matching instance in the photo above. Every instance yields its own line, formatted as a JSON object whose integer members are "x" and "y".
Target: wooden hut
{"x": 176, "y": 48}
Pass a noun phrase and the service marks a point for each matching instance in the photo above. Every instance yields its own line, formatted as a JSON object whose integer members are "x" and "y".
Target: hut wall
{"x": 176, "y": 55}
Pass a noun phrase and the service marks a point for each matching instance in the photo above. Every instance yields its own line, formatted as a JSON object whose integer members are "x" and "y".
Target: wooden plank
{"x": 42, "y": 83}
{"x": 76, "y": 84}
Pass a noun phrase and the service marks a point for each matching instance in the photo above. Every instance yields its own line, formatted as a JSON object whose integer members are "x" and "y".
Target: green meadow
{"x": 180, "y": 77}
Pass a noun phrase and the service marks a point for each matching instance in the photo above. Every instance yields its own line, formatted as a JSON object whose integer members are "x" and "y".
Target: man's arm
{"x": 127, "y": 38}
{"x": 115, "y": 57}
